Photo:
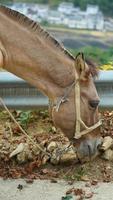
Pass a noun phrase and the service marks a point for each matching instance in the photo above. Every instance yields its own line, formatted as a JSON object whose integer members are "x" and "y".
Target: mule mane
{"x": 92, "y": 67}
{"x": 35, "y": 28}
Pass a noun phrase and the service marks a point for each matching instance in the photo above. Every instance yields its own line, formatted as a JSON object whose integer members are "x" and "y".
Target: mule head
{"x": 66, "y": 117}
{"x": 87, "y": 146}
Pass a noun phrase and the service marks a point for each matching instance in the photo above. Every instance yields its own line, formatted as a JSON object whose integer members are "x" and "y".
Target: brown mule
{"x": 29, "y": 52}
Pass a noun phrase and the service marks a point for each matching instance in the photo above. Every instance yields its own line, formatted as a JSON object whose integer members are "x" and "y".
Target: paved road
{"x": 45, "y": 190}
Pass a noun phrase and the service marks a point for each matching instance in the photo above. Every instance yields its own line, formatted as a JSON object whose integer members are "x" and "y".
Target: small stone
{"x": 29, "y": 155}
{"x": 68, "y": 157}
{"x": 53, "y": 145}
{"x": 53, "y": 129}
{"x": 84, "y": 178}
{"x": 25, "y": 155}
{"x": 108, "y": 155}
{"x": 107, "y": 143}
{"x": 21, "y": 158}
{"x": 7, "y": 146}
{"x": 35, "y": 150}
{"x": 45, "y": 159}
{"x": 55, "y": 158}
{"x": 19, "y": 149}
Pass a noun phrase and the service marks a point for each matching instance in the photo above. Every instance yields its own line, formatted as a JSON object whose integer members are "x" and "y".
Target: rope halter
{"x": 79, "y": 122}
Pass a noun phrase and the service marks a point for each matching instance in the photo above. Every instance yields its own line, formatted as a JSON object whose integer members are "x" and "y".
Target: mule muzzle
{"x": 89, "y": 148}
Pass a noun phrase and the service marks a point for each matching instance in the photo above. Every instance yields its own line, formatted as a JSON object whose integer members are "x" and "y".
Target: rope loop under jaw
{"x": 78, "y": 135}
{"x": 79, "y": 122}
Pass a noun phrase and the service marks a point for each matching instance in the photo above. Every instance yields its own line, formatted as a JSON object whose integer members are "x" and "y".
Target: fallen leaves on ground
{"x": 107, "y": 123}
{"x": 33, "y": 164}
{"x": 80, "y": 193}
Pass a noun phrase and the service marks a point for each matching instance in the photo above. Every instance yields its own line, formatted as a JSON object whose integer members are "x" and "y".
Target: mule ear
{"x": 80, "y": 62}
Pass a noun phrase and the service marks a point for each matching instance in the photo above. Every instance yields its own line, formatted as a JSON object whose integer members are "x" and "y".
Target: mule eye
{"x": 94, "y": 103}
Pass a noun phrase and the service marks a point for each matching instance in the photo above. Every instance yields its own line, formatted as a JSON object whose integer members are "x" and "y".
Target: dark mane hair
{"x": 92, "y": 67}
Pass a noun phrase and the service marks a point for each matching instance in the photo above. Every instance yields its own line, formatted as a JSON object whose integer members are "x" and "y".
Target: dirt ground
{"x": 33, "y": 166}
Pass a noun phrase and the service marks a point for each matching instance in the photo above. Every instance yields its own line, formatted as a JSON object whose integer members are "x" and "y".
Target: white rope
{"x": 24, "y": 132}
{"x": 78, "y": 133}
{"x": 77, "y": 105}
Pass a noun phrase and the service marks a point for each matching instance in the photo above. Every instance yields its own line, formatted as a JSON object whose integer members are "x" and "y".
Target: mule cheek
{"x": 65, "y": 118}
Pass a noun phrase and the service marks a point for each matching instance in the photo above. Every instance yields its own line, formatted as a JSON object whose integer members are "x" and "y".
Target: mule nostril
{"x": 90, "y": 149}
{"x": 94, "y": 103}
{"x": 98, "y": 143}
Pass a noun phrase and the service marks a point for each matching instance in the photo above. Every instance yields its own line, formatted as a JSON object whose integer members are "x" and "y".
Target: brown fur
{"x": 32, "y": 54}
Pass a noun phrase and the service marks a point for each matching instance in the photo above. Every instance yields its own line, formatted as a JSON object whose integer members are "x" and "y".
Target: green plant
{"x": 77, "y": 174}
{"x": 24, "y": 118}
{"x": 3, "y": 114}
{"x": 100, "y": 56}
{"x": 80, "y": 173}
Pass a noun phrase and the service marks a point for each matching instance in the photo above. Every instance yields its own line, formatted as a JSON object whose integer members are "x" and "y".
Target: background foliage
{"x": 100, "y": 56}
{"x": 103, "y": 58}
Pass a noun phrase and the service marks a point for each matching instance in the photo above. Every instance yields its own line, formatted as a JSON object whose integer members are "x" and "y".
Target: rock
{"x": 54, "y": 160}
{"x": 55, "y": 157}
{"x": 52, "y": 145}
{"x": 25, "y": 155}
{"x": 45, "y": 159}
{"x": 22, "y": 152}
{"x": 21, "y": 158}
{"x": 84, "y": 178}
{"x": 68, "y": 156}
{"x": 35, "y": 150}
{"x": 53, "y": 129}
{"x": 7, "y": 145}
{"x": 108, "y": 155}
{"x": 19, "y": 149}
{"x": 107, "y": 143}
{"x": 62, "y": 155}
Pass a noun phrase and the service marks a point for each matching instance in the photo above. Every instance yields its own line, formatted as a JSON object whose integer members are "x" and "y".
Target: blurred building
{"x": 66, "y": 14}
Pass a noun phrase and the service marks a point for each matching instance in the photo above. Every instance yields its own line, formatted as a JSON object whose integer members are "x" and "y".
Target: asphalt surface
{"x": 45, "y": 190}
